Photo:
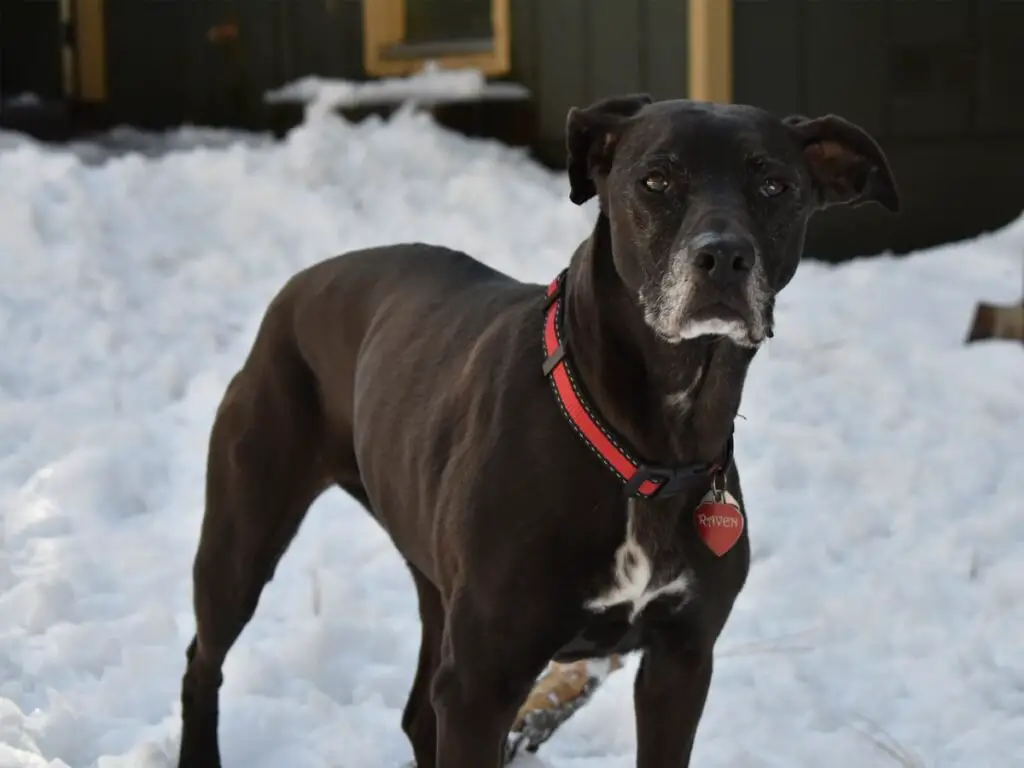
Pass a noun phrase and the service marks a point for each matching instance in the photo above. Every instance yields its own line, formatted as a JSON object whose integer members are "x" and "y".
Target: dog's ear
{"x": 591, "y": 134}
{"x": 846, "y": 163}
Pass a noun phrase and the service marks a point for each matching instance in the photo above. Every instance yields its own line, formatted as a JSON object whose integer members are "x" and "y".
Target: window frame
{"x": 386, "y": 54}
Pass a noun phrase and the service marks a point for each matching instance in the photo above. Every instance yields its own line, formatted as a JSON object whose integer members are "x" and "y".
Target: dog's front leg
{"x": 487, "y": 669}
{"x": 669, "y": 694}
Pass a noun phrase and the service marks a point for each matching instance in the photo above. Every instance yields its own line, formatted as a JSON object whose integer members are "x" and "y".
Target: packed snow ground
{"x": 882, "y": 461}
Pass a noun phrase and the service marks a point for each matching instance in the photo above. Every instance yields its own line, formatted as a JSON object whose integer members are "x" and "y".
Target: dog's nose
{"x": 726, "y": 259}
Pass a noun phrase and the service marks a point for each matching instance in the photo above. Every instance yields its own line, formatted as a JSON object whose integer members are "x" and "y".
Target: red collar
{"x": 643, "y": 480}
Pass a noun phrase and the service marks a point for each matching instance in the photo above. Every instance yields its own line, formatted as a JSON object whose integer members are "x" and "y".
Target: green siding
{"x": 30, "y": 49}
{"x": 931, "y": 78}
{"x": 899, "y": 68}
{"x": 938, "y": 82}
{"x": 615, "y": 40}
{"x": 525, "y": 29}
{"x": 163, "y": 69}
{"x": 561, "y": 49}
{"x": 844, "y": 70}
{"x": 325, "y": 38}
{"x": 1000, "y": 106}
{"x": 665, "y": 49}
{"x": 768, "y": 55}
{"x": 146, "y": 61}
{"x": 572, "y": 52}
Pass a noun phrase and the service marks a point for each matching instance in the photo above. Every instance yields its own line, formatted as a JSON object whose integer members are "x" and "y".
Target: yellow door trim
{"x": 710, "y": 50}
{"x": 384, "y": 26}
{"x": 90, "y": 50}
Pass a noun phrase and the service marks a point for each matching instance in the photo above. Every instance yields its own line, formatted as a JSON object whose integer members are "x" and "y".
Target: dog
{"x": 483, "y": 422}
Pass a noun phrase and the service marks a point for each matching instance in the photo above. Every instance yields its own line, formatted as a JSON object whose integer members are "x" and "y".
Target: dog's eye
{"x": 656, "y": 181}
{"x": 773, "y": 188}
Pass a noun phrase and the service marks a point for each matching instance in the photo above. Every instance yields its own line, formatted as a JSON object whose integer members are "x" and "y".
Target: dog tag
{"x": 719, "y": 521}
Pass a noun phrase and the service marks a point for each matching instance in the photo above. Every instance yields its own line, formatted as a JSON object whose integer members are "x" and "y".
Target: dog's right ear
{"x": 591, "y": 134}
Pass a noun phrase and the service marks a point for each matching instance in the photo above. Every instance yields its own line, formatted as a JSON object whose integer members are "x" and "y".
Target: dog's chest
{"x": 637, "y": 579}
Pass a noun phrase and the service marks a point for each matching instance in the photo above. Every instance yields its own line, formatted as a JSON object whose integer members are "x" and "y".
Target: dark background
{"x": 939, "y": 82}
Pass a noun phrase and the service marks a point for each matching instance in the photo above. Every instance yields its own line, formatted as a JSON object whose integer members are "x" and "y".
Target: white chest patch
{"x": 680, "y": 402}
{"x": 631, "y": 581}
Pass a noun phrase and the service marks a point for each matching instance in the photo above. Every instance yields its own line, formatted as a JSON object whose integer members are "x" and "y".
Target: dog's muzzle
{"x": 714, "y": 286}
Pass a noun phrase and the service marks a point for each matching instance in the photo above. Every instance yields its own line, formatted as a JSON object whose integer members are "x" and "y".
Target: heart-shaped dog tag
{"x": 719, "y": 521}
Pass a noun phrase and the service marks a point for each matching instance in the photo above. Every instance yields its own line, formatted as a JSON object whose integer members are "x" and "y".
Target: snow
{"x": 20, "y": 100}
{"x": 882, "y": 463}
{"x": 431, "y": 85}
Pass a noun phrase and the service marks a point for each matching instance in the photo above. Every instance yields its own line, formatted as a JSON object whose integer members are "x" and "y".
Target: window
{"x": 399, "y": 36}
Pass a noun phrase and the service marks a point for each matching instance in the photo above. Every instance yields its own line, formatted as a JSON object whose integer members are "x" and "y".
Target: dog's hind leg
{"x": 264, "y": 470}
{"x": 418, "y": 720}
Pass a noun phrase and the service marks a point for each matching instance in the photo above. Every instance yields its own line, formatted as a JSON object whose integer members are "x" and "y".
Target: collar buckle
{"x": 670, "y": 482}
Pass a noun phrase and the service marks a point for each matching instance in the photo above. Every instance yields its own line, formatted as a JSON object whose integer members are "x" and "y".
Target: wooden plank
{"x": 91, "y": 47}
{"x": 710, "y": 49}
{"x": 501, "y": 23}
{"x": 383, "y": 25}
{"x": 995, "y": 321}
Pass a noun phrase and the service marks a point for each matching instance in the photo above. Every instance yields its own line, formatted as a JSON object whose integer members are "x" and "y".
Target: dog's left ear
{"x": 846, "y": 163}
{"x": 590, "y": 137}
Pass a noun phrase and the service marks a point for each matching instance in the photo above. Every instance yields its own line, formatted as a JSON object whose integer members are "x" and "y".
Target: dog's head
{"x": 708, "y": 204}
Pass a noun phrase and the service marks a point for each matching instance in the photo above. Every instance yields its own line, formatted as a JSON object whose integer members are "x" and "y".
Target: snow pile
{"x": 881, "y": 460}
{"x": 430, "y": 85}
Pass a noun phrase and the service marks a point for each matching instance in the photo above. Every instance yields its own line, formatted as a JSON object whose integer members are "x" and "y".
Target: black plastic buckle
{"x": 554, "y": 295}
{"x": 671, "y": 481}
{"x": 553, "y": 359}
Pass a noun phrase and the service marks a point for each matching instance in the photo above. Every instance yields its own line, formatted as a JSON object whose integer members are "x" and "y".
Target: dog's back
{"x": 343, "y": 336}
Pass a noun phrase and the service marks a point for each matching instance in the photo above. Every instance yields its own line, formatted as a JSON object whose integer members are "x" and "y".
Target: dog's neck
{"x": 675, "y": 403}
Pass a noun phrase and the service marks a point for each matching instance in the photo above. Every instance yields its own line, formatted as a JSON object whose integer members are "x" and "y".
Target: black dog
{"x": 500, "y": 432}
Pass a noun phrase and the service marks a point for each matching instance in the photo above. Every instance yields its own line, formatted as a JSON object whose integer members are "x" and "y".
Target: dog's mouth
{"x": 722, "y": 310}
{"x": 722, "y": 318}
{"x": 686, "y": 310}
